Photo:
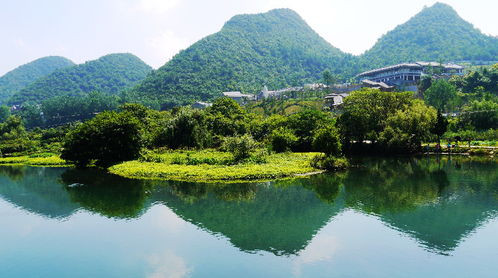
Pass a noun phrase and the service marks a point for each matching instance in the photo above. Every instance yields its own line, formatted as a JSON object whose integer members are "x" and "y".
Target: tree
{"x": 366, "y": 111}
{"x": 440, "y": 126}
{"x": 304, "y": 124}
{"x": 482, "y": 115}
{"x": 282, "y": 139}
{"x": 4, "y": 113}
{"x": 186, "y": 129}
{"x": 108, "y": 138}
{"x": 441, "y": 94}
{"x": 327, "y": 140}
{"x": 328, "y": 78}
{"x": 407, "y": 128}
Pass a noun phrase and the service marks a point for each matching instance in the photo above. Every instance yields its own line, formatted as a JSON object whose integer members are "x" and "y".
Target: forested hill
{"x": 24, "y": 75}
{"x": 437, "y": 33}
{"x": 276, "y": 49}
{"x": 110, "y": 74}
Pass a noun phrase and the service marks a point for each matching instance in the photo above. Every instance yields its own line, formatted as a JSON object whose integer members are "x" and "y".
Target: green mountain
{"x": 109, "y": 74}
{"x": 276, "y": 49}
{"x": 437, "y": 33}
{"x": 24, "y": 75}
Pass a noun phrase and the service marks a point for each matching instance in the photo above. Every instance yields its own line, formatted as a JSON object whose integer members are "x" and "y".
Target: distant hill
{"x": 276, "y": 49}
{"x": 110, "y": 74}
{"x": 437, "y": 33}
{"x": 24, "y": 75}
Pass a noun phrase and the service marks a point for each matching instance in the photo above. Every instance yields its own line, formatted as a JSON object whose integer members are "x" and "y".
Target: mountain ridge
{"x": 23, "y": 75}
{"x": 108, "y": 74}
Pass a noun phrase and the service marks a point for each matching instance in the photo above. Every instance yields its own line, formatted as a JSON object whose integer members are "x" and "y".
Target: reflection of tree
{"x": 438, "y": 202}
{"x": 15, "y": 173}
{"x": 108, "y": 195}
{"x": 392, "y": 185}
{"x": 36, "y": 189}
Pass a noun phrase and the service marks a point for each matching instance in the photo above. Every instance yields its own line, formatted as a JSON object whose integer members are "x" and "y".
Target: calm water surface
{"x": 417, "y": 217}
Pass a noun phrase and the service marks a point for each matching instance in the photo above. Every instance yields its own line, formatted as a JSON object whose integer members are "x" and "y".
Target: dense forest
{"x": 277, "y": 49}
{"x": 109, "y": 74}
{"x": 437, "y": 33}
{"x": 24, "y": 75}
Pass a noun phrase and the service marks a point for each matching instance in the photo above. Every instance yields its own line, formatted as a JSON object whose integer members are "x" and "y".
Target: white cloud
{"x": 164, "y": 46}
{"x": 168, "y": 265}
{"x": 322, "y": 248}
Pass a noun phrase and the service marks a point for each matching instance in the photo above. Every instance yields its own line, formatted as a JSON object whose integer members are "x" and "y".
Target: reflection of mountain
{"x": 438, "y": 203}
{"x": 279, "y": 219}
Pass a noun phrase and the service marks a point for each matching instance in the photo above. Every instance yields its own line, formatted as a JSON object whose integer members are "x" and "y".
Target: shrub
{"x": 329, "y": 163}
{"x": 282, "y": 139}
{"x": 241, "y": 147}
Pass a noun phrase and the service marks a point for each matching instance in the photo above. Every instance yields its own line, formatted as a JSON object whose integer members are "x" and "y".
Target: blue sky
{"x": 155, "y": 30}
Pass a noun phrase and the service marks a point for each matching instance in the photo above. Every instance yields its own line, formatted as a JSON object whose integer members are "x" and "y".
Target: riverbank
{"x": 213, "y": 166}
{"x": 49, "y": 160}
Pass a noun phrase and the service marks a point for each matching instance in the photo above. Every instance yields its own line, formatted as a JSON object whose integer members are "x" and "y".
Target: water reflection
{"x": 438, "y": 202}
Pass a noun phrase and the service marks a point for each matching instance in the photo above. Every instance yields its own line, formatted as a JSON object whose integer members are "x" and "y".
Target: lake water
{"x": 404, "y": 217}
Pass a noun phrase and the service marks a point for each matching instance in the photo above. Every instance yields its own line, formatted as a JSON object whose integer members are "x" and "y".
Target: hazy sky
{"x": 155, "y": 30}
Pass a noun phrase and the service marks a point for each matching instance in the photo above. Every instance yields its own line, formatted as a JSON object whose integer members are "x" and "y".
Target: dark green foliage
{"x": 481, "y": 115}
{"x": 24, "y": 75}
{"x": 304, "y": 124}
{"x": 441, "y": 94}
{"x": 4, "y": 113}
{"x": 441, "y": 126}
{"x": 327, "y": 140}
{"x": 109, "y": 74}
{"x": 187, "y": 129}
{"x": 108, "y": 138}
{"x": 276, "y": 49}
{"x": 437, "y": 33}
{"x": 282, "y": 139}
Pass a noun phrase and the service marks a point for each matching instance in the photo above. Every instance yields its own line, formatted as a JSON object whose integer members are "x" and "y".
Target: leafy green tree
{"x": 4, "y": 113}
{"x": 406, "y": 129}
{"x": 186, "y": 129}
{"x": 327, "y": 140}
{"x": 441, "y": 94}
{"x": 304, "y": 124}
{"x": 366, "y": 111}
{"x": 282, "y": 139}
{"x": 440, "y": 127}
{"x": 328, "y": 78}
{"x": 481, "y": 115}
{"x": 108, "y": 138}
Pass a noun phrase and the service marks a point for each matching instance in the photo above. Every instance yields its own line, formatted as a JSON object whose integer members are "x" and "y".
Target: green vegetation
{"x": 179, "y": 166}
{"x": 387, "y": 122}
{"x": 109, "y": 74}
{"x": 17, "y": 79}
{"x": 46, "y": 159}
{"x": 437, "y": 33}
{"x": 277, "y": 49}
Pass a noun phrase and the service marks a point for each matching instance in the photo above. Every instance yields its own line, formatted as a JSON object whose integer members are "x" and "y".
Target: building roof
{"x": 376, "y": 84}
{"x": 417, "y": 65}
{"x": 236, "y": 94}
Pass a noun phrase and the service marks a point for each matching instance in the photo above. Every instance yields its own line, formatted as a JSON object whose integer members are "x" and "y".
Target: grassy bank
{"x": 34, "y": 160}
{"x": 212, "y": 166}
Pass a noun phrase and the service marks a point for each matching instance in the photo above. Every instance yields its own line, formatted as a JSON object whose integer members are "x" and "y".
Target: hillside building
{"x": 408, "y": 74}
{"x": 238, "y": 96}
